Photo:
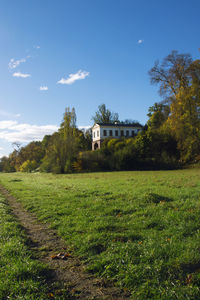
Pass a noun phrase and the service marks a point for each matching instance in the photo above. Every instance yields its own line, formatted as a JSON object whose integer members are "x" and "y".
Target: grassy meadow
{"x": 21, "y": 276}
{"x": 140, "y": 230}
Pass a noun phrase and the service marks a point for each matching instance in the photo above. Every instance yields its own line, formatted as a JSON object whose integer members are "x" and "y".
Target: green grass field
{"x": 139, "y": 229}
{"x": 21, "y": 276}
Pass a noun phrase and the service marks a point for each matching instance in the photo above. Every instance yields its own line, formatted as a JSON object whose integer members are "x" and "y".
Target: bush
{"x": 28, "y": 166}
{"x": 90, "y": 161}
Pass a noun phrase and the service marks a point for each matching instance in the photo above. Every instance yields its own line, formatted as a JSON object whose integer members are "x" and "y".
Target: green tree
{"x": 131, "y": 122}
{"x": 34, "y": 151}
{"x": 63, "y": 146}
{"x": 6, "y": 164}
{"x": 104, "y": 115}
{"x": 158, "y": 114}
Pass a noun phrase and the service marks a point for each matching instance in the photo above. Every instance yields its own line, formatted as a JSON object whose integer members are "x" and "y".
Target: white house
{"x": 101, "y": 131}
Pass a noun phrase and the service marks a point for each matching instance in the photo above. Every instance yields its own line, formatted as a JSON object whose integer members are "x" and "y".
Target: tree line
{"x": 169, "y": 139}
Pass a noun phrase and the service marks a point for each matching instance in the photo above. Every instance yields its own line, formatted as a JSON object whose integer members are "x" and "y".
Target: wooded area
{"x": 170, "y": 139}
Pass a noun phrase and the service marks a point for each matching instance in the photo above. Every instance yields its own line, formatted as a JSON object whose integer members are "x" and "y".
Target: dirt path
{"x": 69, "y": 271}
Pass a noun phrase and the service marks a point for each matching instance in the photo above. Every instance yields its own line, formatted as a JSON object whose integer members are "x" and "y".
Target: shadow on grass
{"x": 191, "y": 268}
{"x": 131, "y": 237}
{"x": 96, "y": 249}
{"x": 155, "y": 198}
{"x": 15, "y": 180}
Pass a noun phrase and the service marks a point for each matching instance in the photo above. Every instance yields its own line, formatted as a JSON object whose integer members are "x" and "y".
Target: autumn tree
{"x": 179, "y": 80}
{"x": 172, "y": 74}
{"x": 184, "y": 122}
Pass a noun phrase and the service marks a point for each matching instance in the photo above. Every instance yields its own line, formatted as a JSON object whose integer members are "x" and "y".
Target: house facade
{"x": 101, "y": 131}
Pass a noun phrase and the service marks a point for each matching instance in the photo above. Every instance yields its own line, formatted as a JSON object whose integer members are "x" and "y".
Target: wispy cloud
{"x": 36, "y": 47}
{"x": 44, "y": 88}
{"x": 7, "y": 124}
{"x": 8, "y": 114}
{"x": 140, "y": 41}
{"x": 21, "y": 75}
{"x": 12, "y": 131}
{"x": 15, "y": 63}
{"x": 74, "y": 77}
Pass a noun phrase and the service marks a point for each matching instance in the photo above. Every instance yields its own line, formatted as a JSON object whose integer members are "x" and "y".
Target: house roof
{"x": 119, "y": 125}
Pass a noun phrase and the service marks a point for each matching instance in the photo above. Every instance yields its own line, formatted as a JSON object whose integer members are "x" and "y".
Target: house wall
{"x": 98, "y": 132}
{"x": 96, "y": 145}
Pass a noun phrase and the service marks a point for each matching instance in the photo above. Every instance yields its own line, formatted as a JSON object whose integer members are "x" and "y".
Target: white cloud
{"x": 2, "y": 152}
{"x": 15, "y": 63}
{"x": 84, "y": 128}
{"x": 7, "y": 124}
{"x": 7, "y": 114}
{"x": 12, "y": 131}
{"x": 44, "y": 88}
{"x": 140, "y": 41}
{"x": 73, "y": 77}
{"x": 21, "y": 75}
{"x": 36, "y": 47}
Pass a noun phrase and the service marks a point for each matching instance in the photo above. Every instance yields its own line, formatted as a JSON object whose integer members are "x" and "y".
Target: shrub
{"x": 90, "y": 161}
{"x": 28, "y": 166}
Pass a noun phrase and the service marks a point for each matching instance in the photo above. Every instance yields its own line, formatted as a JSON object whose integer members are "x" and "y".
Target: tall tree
{"x": 172, "y": 74}
{"x": 104, "y": 115}
{"x": 184, "y": 122}
{"x": 64, "y": 145}
{"x": 179, "y": 80}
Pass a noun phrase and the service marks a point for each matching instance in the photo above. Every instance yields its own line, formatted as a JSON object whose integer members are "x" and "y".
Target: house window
{"x": 97, "y": 132}
{"x": 110, "y": 132}
{"x": 105, "y": 133}
{"x": 122, "y": 132}
{"x": 116, "y": 132}
{"x": 94, "y": 134}
{"x": 133, "y": 133}
{"x": 127, "y": 132}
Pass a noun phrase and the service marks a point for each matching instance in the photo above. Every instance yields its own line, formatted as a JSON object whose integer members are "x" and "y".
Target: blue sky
{"x": 83, "y": 53}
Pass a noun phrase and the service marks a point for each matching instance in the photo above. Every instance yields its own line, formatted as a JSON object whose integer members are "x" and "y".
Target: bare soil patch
{"x": 66, "y": 270}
